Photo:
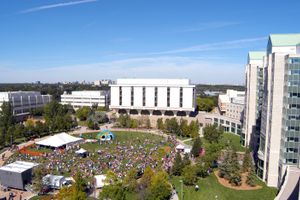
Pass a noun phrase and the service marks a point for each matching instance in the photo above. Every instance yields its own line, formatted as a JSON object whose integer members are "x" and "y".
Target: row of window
{"x": 294, "y": 83}
{"x": 294, "y": 117}
{"x": 155, "y": 96}
{"x": 294, "y": 72}
{"x": 293, "y": 128}
{"x": 292, "y": 139}
{"x": 294, "y": 106}
{"x": 294, "y": 94}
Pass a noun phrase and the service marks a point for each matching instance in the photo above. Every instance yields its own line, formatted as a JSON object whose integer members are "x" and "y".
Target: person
{"x": 196, "y": 187}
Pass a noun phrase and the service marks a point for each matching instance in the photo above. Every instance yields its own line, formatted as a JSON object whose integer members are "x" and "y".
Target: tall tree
{"x": 194, "y": 129}
{"x": 189, "y": 174}
{"x": 186, "y": 160}
{"x": 177, "y": 165}
{"x": 184, "y": 128}
{"x": 6, "y": 115}
{"x": 160, "y": 188}
{"x": 196, "y": 147}
{"x": 251, "y": 177}
{"x": 160, "y": 124}
{"x": 212, "y": 133}
{"x": 247, "y": 161}
{"x": 146, "y": 178}
{"x": 130, "y": 180}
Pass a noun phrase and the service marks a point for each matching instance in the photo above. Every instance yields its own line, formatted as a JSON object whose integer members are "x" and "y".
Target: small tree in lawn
{"x": 212, "y": 133}
{"x": 251, "y": 177}
{"x": 186, "y": 160}
{"x": 224, "y": 167}
{"x": 247, "y": 161}
{"x": 234, "y": 170}
{"x": 196, "y": 147}
{"x": 178, "y": 165}
{"x": 189, "y": 174}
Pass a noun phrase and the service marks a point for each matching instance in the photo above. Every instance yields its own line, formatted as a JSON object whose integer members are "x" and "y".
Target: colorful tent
{"x": 105, "y": 135}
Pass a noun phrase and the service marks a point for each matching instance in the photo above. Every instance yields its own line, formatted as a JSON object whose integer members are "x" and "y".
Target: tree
{"x": 130, "y": 181}
{"x": 230, "y": 168}
{"x": 196, "y": 147}
{"x": 177, "y": 165}
{"x": 78, "y": 188}
{"x": 247, "y": 161}
{"x": 38, "y": 174}
{"x": 189, "y": 174}
{"x": 186, "y": 160}
{"x": 83, "y": 113}
{"x": 212, "y": 153}
{"x": 251, "y": 177}
{"x": 206, "y": 103}
{"x": 160, "y": 124}
{"x": 111, "y": 178}
{"x": 112, "y": 192}
{"x": 194, "y": 129}
{"x": 184, "y": 128}
{"x": 148, "y": 123}
{"x": 134, "y": 123}
{"x": 212, "y": 133}
{"x": 172, "y": 126}
{"x": 6, "y": 115}
{"x": 160, "y": 188}
{"x": 146, "y": 178}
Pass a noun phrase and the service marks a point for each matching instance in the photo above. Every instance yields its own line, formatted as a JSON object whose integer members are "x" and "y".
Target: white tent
{"x": 180, "y": 147}
{"x": 81, "y": 151}
{"x": 187, "y": 150}
{"x": 99, "y": 181}
{"x": 59, "y": 140}
{"x": 54, "y": 181}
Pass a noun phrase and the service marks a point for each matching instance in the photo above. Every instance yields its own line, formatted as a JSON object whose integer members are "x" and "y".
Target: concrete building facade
{"x": 231, "y": 104}
{"x": 153, "y": 96}
{"x": 280, "y": 113}
{"x": 253, "y": 99}
{"x": 24, "y": 101}
{"x": 78, "y": 99}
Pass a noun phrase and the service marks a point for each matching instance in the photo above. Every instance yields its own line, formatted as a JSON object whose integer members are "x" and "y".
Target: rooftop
{"x": 157, "y": 82}
{"x": 19, "y": 166}
{"x": 285, "y": 39}
{"x": 256, "y": 55}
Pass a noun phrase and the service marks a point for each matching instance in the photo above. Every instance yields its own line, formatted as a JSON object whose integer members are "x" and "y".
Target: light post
{"x": 181, "y": 189}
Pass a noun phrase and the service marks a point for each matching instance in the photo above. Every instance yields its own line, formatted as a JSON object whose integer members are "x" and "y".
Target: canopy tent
{"x": 81, "y": 151}
{"x": 187, "y": 150}
{"x": 59, "y": 140}
{"x": 105, "y": 135}
{"x": 99, "y": 181}
{"x": 180, "y": 147}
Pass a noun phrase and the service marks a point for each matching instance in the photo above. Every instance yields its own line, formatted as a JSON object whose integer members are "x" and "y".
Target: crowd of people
{"x": 117, "y": 156}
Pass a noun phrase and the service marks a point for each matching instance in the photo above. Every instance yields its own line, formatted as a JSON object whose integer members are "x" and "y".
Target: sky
{"x": 206, "y": 41}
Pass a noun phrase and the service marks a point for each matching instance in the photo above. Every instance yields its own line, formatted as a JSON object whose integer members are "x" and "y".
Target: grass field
{"x": 228, "y": 139}
{"x": 211, "y": 189}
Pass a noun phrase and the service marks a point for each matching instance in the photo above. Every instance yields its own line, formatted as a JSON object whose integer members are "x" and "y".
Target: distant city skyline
{"x": 75, "y": 40}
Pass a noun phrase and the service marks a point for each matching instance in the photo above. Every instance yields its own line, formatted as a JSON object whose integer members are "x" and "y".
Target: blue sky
{"x": 68, "y": 40}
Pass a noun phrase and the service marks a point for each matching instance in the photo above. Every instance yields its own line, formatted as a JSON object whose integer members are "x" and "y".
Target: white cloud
{"x": 51, "y": 6}
{"x": 197, "y": 69}
{"x": 207, "y": 26}
{"x": 232, "y": 44}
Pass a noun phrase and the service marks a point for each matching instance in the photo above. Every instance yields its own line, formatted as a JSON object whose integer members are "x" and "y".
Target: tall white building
{"x": 78, "y": 99}
{"x": 253, "y": 99}
{"x": 24, "y": 101}
{"x": 153, "y": 96}
{"x": 231, "y": 104}
{"x": 280, "y": 110}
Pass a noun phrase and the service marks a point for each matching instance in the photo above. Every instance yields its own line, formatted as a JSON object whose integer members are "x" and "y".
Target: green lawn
{"x": 210, "y": 189}
{"x": 228, "y": 139}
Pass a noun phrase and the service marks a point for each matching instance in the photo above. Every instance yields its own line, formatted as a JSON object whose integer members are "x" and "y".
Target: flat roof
{"x": 285, "y": 39}
{"x": 19, "y": 166}
{"x": 256, "y": 55}
{"x": 149, "y": 81}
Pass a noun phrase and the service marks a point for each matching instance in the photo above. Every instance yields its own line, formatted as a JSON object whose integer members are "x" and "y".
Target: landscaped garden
{"x": 210, "y": 188}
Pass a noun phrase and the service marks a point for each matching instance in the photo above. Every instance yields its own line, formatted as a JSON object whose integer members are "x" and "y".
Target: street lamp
{"x": 181, "y": 189}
